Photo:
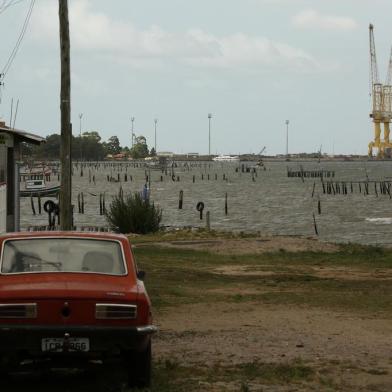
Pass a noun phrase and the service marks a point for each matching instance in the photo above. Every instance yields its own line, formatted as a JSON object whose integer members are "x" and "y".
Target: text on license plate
{"x": 72, "y": 345}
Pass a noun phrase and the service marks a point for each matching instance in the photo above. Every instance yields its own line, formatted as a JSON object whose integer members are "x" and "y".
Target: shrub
{"x": 132, "y": 214}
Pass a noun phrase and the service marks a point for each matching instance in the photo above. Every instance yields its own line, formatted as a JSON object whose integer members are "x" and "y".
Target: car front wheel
{"x": 139, "y": 367}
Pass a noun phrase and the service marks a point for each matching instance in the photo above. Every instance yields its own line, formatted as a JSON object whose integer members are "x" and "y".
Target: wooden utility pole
{"x": 66, "y": 127}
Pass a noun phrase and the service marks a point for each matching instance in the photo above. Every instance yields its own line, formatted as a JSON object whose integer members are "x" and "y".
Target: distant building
{"x": 10, "y": 141}
{"x": 120, "y": 157}
{"x": 166, "y": 154}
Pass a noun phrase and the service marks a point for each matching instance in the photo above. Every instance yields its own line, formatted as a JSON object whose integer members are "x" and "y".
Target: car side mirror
{"x": 141, "y": 275}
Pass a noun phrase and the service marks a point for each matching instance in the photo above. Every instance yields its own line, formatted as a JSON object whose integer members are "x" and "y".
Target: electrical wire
{"x": 5, "y": 5}
{"x": 22, "y": 33}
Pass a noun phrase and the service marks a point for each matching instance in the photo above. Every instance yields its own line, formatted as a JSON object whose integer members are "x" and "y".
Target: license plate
{"x": 56, "y": 345}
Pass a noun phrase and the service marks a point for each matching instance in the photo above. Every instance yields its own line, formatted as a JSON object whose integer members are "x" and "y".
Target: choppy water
{"x": 272, "y": 203}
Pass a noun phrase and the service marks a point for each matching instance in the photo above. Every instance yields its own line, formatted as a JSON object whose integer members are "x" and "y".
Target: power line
{"x": 6, "y": 4}
{"x": 22, "y": 33}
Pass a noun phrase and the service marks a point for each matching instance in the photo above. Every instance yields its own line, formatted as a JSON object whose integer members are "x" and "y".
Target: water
{"x": 272, "y": 204}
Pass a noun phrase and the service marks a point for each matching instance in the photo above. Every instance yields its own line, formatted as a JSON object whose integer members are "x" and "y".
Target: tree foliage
{"x": 88, "y": 147}
{"x": 140, "y": 148}
{"x": 113, "y": 145}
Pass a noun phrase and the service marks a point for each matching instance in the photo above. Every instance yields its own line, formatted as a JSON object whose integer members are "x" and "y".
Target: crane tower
{"x": 381, "y": 102}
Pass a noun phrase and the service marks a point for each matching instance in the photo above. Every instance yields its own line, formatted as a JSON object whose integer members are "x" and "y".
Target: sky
{"x": 252, "y": 64}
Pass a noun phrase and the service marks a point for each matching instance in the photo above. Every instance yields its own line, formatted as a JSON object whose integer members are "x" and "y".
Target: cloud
{"x": 93, "y": 32}
{"x": 241, "y": 51}
{"x": 311, "y": 19}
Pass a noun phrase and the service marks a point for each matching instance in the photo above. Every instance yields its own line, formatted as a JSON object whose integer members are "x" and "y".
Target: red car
{"x": 71, "y": 296}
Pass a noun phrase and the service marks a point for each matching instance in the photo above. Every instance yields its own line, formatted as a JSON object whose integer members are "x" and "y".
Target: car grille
{"x": 18, "y": 310}
{"x": 115, "y": 311}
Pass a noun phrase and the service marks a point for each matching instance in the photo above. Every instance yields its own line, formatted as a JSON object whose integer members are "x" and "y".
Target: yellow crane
{"x": 387, "y": 108}
{"x": 381, "y": 103}
{"x": 376, "y": 93}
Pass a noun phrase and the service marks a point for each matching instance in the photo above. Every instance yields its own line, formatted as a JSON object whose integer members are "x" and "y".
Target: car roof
{"x": 64, "y": 234}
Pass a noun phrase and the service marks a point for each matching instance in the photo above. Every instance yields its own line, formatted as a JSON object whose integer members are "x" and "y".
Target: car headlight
{"x": 115, "y": 311}
{"x": 24, "y": 311}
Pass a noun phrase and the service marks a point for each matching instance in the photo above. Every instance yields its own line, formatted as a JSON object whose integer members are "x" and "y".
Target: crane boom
{"x": 373, "y": 58}
{"x": 387, "y": 104}
{"x": 377, "y": 88}
{"x": 388, "y": 80}
{"x": 377, "y": 95}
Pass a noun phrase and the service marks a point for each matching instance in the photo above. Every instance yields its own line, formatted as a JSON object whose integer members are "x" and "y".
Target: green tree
{"x": 51, "y": 148}
{"x": 93, "y": 135}
{"x": 140, "y": 148}
{"x": 153, "y": 153}
{"x": 113, "y": 145}
{"x": 88, "y": 147}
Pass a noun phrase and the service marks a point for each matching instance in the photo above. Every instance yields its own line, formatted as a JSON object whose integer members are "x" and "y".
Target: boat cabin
{"x": 35, "y": 184}
{"x": 10, "y": 143}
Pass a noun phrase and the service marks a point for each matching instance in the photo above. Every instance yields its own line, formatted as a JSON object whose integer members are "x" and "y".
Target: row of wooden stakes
{"x": 364, "y": 187}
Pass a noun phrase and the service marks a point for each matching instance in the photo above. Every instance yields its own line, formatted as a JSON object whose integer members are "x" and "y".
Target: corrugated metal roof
{"x": 25, "y": 136}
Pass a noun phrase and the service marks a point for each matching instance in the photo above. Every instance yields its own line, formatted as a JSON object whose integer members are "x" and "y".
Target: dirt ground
{"x": 349, "y": 351}
{"x": 255, "y": 245}
{"x": 205, "y": 335}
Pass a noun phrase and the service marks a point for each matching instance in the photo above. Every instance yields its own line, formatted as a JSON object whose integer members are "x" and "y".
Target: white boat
{"x": 226, "y": 158}
{"x": 37, "y": 188}
{"x": 35, "y": 185}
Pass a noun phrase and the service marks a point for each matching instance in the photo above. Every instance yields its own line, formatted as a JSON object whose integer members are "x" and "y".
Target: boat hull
{"x": 52, "y": 191}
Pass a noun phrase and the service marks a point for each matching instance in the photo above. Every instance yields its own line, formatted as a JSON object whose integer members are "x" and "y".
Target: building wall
{"x": 3, "y": 163}
{"x": 3, "y": 207}
{"x": 3, "y": 188}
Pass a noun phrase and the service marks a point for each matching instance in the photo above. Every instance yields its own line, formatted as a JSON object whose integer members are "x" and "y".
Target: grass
{"x": 174, "y": 377}
{"x": 177, "y": 276}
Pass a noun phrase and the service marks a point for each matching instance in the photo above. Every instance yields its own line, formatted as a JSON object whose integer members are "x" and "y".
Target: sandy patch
{"x": 350, "y": 349}
{"x": 255, "y": 245}
{"x": 328, "y": 272}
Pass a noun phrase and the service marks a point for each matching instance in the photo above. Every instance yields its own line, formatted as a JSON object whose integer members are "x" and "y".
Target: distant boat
{"x": 38, "y": 188}
{"x": 226, "y": 158}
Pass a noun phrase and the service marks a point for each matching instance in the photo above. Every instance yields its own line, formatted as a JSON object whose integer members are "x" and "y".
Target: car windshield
{"x": 62, "y": 255}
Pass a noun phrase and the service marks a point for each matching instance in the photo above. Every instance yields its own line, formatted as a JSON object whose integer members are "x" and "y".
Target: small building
{"x": 165, "y": 154}
{"x": 10, "y": 146}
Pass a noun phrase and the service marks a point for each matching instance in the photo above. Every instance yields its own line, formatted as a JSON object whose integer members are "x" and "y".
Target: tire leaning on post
{"x": 200, "y": 208}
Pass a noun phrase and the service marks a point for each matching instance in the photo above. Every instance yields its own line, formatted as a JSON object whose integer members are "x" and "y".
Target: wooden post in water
{"x": 181, "y": 199}
{"x": 315, "y": 225}
{"x": 32, "y": 204}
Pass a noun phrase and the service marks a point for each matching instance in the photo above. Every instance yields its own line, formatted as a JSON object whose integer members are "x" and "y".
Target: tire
{"x": 139, "y": 368}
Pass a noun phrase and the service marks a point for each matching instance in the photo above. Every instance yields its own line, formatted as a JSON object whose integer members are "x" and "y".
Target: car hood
{"x": 68, "y": 285}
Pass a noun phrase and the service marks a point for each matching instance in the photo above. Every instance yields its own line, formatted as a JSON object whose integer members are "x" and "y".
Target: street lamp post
{"x": 209, "y": 133}
{"x": 132, "y": 134}
{"x": 287, "y": 138}
{"x": 155, "y": 144}
{"x": 80, "y": 135}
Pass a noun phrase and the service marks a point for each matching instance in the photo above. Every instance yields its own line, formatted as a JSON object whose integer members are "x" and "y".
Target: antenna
{"x": 16, "y": 113}
{"x": 12, "y": 108}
